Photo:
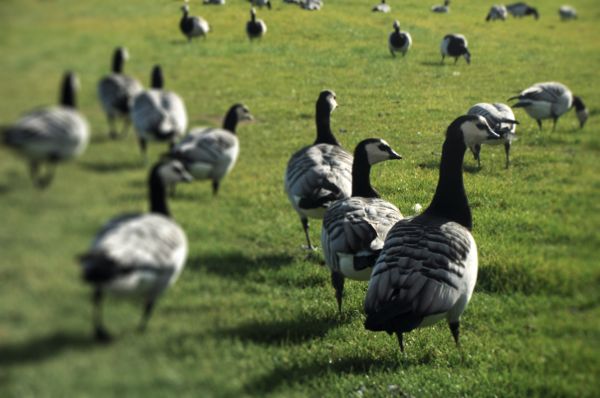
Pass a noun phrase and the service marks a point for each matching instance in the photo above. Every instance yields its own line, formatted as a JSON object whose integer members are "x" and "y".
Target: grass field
{"x": 249, "y": 315}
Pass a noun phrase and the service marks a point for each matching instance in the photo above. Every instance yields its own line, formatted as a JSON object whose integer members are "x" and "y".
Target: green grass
{"x": 249, "y": 315}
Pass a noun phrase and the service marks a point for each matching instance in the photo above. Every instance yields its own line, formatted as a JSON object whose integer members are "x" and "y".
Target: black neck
{"x": 158, "y": 194}
{"x": 397, "y": 29}
{"x": 157, "y": 78}
{"x": 67, "y": 95}
{"x": 118, "y": 61}
{"x": 185, "y": 14}
{"x": 578, "y": 103}
{"x": 253, "y": 17}
{"x": 231, "y": 120}
{"x": 361, "y": 176}
{"x": 324, "y": 134}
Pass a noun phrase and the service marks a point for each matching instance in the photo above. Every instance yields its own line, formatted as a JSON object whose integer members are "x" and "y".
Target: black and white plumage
{"x": 521, "y": 9}
{"x": 382, "y": 7}
{"x": 567, "y": 12}
{"x": 399, "y": 41}
{"x": 117, "y": 91}
{"x": 261, "y": 3}
{"x": 311, "y": 5}
{"x": 158, "y": 114}
{"x": 138, "y": 255}
{"x": 50, "y": 135}
{"x": 210, "y": 153}
{"x": 497, "y": 11}
{"x": 192, "y": 26}
{"x": 255, "y": 28}
{"x": 354, "y": 228}
{"x": 550, "y": 100}
{"x": 428, "y": 266}
{"x": 502, "y": 120}
{"x": 214, "y": 2}
{"x": 442, "y": 9}
{"x": 455, "y": 45}
{"x": 320, "y": 173}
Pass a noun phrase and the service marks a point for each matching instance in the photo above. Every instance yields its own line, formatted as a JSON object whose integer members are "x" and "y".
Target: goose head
{"x": 241, "y": 112}
{"x": 185, "y": 8}
{"x": 69, "y": 87}
{"x": 157, "y": 80}
{"x": 396, "y": 25}
{"x": 467, "y": 55}
{"x": 252, "y": 13}
{"x": 172, "y": 171}
{"x": 582, "y": 111}
{"x": 376, "y": 150}
{"x": 327, "y": 101}
{"x": 471, "y": 130}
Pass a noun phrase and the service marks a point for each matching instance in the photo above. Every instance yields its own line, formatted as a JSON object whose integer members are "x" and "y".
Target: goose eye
{"x": 383, "y": 147}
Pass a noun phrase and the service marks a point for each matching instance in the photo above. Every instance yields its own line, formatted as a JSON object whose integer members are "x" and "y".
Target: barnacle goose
{"x": 158, "y": 114}
{"x": 428, "y": 265}
{"x": 214, "y": 2}
{"x": 455, "y": 45}
{"x": 192, "y": 26}
{"x": 399, "y": 41}
{"x": 522, "y": 9}
{"x": 354, "y": 228}
{"x": 51, "y": 134}
{"x": 210, "y": 153}
{"x": 382, "y": 7}
{"x": 442, "y": 9}
{"x": 261, "y": 3}
{"x": 502, "y": 120}
{"x": 549, "y": 101}
{"x": 497, "y": 11}
{"x": 255, "y": 28}
{"x": 138, "y": 255}
{"x": 116, "y": 92}
{"x": 567, "y": 12}
{"x": 320, "y": 173}
{"x": 311, "y": 5}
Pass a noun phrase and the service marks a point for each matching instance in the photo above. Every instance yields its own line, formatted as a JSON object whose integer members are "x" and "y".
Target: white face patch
{"x": 332, "y": 102}
{"x": 173, "y": 172}
{"x": 378, "y": 151}
{"x": 475, "y": 132}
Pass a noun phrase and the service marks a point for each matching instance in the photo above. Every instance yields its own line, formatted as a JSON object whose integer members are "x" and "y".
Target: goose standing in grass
{"x": 192, "y": 26}
{"x": 455, "y": 45}
{"x": 255, "y": 28}
{"x": 522, "y": 9}
{"x": 399, "y": 41}
{"x": 497, "y": 11}
{"x": 382, "y": 7}
{"x": 442, "y": 9}
{"x": 210, "y": 153}
{"x": 50, "y": 135}
{"x": 116, "y": 92}
{"x": 550, "y": 100}
{"x": 567, "y": 12}
{"x": 261, "y": 3}
{"x": 320, "y": 173}
{"x": 354, "y": 228}
{"x": 214, "y": 2}
{"x": 158, "y": 114}
{"x": 311, "y": 5}
{"x": 139, "y": 255}
{"x": 502, "y": 120}
{"x": 428, "y": 266}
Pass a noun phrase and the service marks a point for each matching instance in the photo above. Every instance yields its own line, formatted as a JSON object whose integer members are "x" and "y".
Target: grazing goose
{"x": 158, "y": 114}
{"x": 428, "y": 266}
{"x": 255, "y": 28}
{"x": 442, "y": 9}
{"x": 399, "y": 41}
{"x": 382, "y": 7}
{"x": 138, "y": 254}
{"x": 311, "y": 5}
{"x": 214, "y": 2}
{"x": 262, "y": 3}
{"x": 192, "y": 26}
{"x": 320, "y": 173}
{"x": 50, "y": 135}
{"x": 549, "y": 101}
{"x": 497, "y": 11}
{"x": 502, "y": 120}
{"x": 116, "y": 92}
{"x": 521, "y": 9}
{"x": 455, "y": 45}
{"x": 211, "y": 153}
{"x": 354, "y": 228}
{"x": 567, "y": 12}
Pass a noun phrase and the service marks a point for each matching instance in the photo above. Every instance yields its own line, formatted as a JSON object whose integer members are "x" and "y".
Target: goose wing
{"x": 159, "y": 113}
{"x": 116, "y": 93}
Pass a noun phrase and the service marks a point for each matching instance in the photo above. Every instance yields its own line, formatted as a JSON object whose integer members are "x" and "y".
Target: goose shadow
{"x": 237, "y": 264}
{"x": 431, "y": 63}
{"x": 112, "y": 167}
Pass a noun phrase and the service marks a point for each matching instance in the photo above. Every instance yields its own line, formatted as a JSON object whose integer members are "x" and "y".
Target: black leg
{"x": 143, "y": 145}
{"x": 539, "y": 122}
{"x": 100, "y": 332}
{"x": 554, "y": 119}
{"x": 146, "y": 315}
{"x": 443, "y": 56}
{"x": 112, "y": 131}
{"x": 126, "y": 124}
{"x": 400, "y": 341}
{"x": 454, "y": 328}
{"x": 34, "y": 169}
{"x": 507, "y": 150}
{"x": 393, "y": 53}
{"x": 304, "y": 221}
{"x": 455, "y": 60}
{"x": 215, "y": 187}
{"x": 337, "y": 281}
{"x": 476, "y": 154}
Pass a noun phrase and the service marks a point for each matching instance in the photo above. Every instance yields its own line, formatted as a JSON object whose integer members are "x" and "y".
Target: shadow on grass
{"x": 435, "y": 165}
{"x": 431, "y": 63}
{"x": 238, "y": 264}
{"x": 102, "y": 167}
{"x": 43, "y": 347}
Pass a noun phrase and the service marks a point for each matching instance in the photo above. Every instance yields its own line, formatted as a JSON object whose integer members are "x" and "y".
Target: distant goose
{"x": 549, "y": 101}
{"x": 382, "y": 7}
{"x": 399, "y": 41}
{"x": 455, "y": 45}
{"x": 192, "y": 26}
{"x": 567, "y": 12}
{"x": 521, "y": 9}
{"x": 261, "y": 3}
{"x": 497, "y": 12}
{"x": 311, "y": 5}
{"x": 116, "y": 92}
{"x": 50, "y": 135}
{"x": 210, "y": 153}
{"x": 442, "y": 9}
{"x": 428, "y": 266}
{"x": 214, "y": 2}
{"x": 138, "y": 254}
{"x": 158, "y": 114}
{"x": 502, "y": 120}
{"x": 255, "y": 28}
{"x": 320, "y": 173}
{"x": 354, "y": 228}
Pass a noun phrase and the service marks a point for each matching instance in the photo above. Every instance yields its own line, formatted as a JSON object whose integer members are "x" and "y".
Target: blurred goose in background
{"x": 116, "y": 92}
{"x": 497, "y": 11}
{"x": 320, "y": 173}
{"x": 550, "y": 100}
{"x": 311, "y": 5}
{"x": 192, "y": 26}
{"x": 214, "y": 2}
{"x": 354, "y": 228}
{"x": 442, "y": 9}
{"x": 502, "y": 120}
{"x": 261, "y": 3}
{"x": 522, "y": 9}
{"x": 382, "y": 7}
{"x": 455, "y": 45}
{"x": 428, "y": 266}
{"x": 210, "y": 153}
{"x": 399, "y": 41}
{"x": 567, "y": 12}
{"x": 158, "y": 114}
{"x": 50, "y": 135}
{"x": 255, "y": 28}
{"x": 139, "y": 255}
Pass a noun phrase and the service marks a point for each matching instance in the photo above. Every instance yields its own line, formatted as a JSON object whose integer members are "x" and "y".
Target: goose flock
{"x": 420, "y": 269}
